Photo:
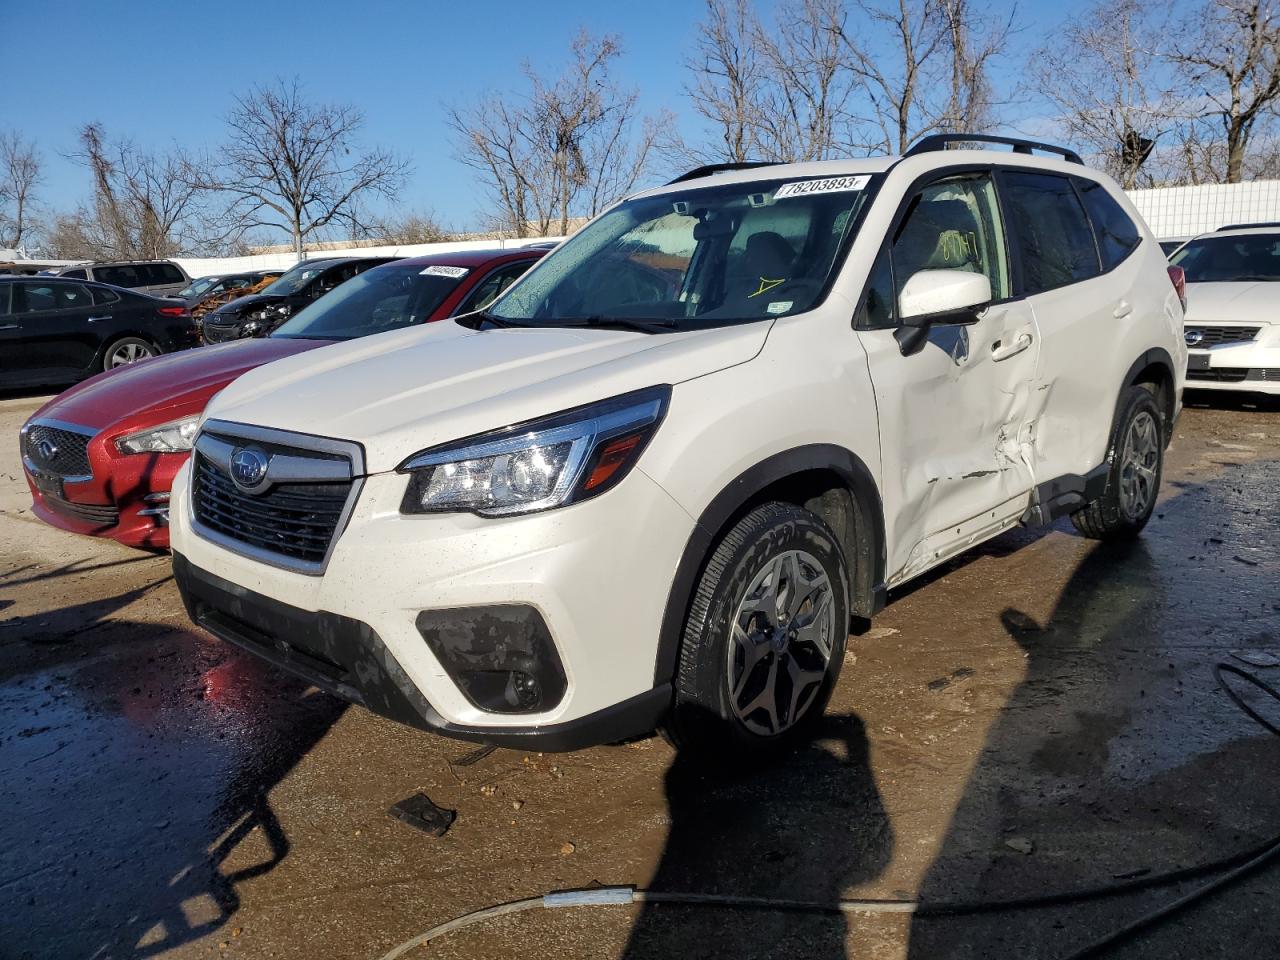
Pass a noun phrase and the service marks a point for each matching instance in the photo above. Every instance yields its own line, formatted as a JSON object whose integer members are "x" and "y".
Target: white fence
{"x": 1176, "y": 212}
{"x": 204, "y": 266}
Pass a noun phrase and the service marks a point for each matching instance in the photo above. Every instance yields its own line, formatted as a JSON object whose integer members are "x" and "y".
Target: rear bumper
{"x": 348, "y": 659}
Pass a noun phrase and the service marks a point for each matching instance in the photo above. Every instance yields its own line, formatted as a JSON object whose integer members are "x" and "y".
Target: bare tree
{"x": 144, "y": 205}
{"x": 293, "y": 165}
{"x": 566, "y": 147}
{"x": 727, "y": 85}
{"x": 1100, "y": 71}
{"x": 974, "y": 40}
{"x": 1227, "y": 55}
{"x": 20, "y": 174}
{"x": 409, "y": 228}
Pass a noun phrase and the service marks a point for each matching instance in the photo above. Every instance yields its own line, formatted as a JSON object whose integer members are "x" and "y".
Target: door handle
{"x": 1123, "y": 309}
{"x": 999, "y": 352}
{"x": 96, "y": 319}
{"x": 10, "y": 326}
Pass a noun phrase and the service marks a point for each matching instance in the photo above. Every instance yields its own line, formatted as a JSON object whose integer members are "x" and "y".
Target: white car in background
{"x": 1233, "y": 317}
{"x": 656, "y": 481}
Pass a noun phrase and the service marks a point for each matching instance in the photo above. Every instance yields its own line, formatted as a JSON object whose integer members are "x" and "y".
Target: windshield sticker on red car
{"x": 437, "y": 270}
{"x": 803, "y": 188}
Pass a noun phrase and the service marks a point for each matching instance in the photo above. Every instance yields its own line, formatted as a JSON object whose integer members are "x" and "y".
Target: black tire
{"x": 1116, "y": 515}
{"x": 141, "y": 349}
{"x": 775, "y": 537}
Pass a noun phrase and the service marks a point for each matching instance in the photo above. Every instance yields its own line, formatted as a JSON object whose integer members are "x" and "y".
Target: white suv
{"x": 1232, "y": 326}
{"x": 655, "y": 483}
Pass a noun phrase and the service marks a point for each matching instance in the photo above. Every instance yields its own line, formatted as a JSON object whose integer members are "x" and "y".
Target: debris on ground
{"x": 1020, "y": 844}
{"x": 420, "y": 813}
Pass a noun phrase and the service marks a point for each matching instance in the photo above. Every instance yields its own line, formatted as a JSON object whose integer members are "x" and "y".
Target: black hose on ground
{"x": 1238, "y": 865}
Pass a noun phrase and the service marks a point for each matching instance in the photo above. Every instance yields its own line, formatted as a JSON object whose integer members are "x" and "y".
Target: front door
{"x": 955, "y": 449}
{"x": 13, "y": 354}
{"x": 58, "y": 328}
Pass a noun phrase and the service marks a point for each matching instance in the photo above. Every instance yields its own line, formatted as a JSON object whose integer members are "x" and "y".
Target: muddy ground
{"x": 1039, "y": 716}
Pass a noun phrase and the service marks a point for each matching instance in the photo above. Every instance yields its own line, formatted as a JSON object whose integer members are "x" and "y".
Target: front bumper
{"x": 597, "y": 573}
{"x": 346, "y": 658}
{"x": 1251, "y": 365}
{"x": 126, "y": 499}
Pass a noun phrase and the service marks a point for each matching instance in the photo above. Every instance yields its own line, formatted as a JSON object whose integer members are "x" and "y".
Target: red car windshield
{"x": 385, "y": 298}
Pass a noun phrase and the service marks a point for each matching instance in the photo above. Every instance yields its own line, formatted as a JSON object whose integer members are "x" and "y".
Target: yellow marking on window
{"x": 766, "y": 286}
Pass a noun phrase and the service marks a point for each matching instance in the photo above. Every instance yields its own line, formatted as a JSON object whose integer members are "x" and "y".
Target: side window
{"x": 167, "y": 273}
{"x": 122, "y": 276}
{"x": 953, "y": 225}
{"x": 75, "y": 275}
{"x": 1116, "y": 234}
{"x": 35, "y": 298}
{"x": 879, "y": 310}
{"x": 1055, "y": 242}
{"x": 104, "y": 295}
{"x": 69, "y": 296}
{"x": 5, "y": 296}
{"x": 492, "y": 286}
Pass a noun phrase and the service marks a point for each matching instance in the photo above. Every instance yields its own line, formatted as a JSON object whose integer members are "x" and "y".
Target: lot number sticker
{"x": 803, "y": 188}
{"x": 436, "y": 270}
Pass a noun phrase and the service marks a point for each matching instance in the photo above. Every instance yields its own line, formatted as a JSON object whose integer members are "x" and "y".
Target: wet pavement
{"x": 1038, "y": 716}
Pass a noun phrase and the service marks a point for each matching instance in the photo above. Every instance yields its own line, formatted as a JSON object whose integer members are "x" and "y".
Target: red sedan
{"x": 101, "y": 457}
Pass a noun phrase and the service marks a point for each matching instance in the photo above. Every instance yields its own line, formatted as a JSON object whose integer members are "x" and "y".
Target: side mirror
{"x": 938, "y": 296}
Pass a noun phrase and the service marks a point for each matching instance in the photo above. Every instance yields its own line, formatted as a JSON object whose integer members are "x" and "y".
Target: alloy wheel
{"x": 780, "y": 647}
{"x": 127, "y": 353}
{"x": 1139, "y": 465}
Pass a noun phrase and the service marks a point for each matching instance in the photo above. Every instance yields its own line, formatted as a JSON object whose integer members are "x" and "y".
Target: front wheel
{"x": 1133, "y": 478}
{"x": 764, "y": 639}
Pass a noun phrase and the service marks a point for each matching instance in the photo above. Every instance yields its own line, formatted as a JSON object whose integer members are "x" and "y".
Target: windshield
{"x": 692, "y": 258}
{"x": 197, "y": 287}
{"x": 295, "y": 279}
{"x": 385, "y": 298}
{"x": 1244, "y": 257}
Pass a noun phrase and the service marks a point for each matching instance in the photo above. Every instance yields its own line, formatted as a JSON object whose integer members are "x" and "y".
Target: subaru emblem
{"x": 249, "y": 468}
{"x": 1193, "y": 337}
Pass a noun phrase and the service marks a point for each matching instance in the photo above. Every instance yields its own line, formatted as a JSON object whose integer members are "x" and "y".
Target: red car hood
{"x": 156, "y": 386}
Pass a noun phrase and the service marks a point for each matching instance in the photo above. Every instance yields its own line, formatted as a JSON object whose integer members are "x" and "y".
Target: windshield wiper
{"x": 474, "y": 319}
{"x": 614, "y": 323}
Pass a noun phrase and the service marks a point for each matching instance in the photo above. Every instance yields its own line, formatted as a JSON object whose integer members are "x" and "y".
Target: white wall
{"x": 203, "y": 266}
{"x": 1176, "y": 212}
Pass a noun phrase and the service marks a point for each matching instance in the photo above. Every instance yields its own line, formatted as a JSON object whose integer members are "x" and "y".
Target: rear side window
{"x": 167, "y": 273}
{"x": 103, "y": 295}
{"x": 5, "y": 296}
{"x": 121, "y": 276}
{"x": 1048, "y": 225}
{"x": 1116, "y": 234}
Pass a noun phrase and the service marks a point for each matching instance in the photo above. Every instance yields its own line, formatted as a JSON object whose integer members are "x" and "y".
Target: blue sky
{"x": 166, "y": 72}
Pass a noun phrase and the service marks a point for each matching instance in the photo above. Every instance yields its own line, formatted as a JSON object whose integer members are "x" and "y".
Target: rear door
{"x": 57, "y": 319}
{"x": 1081, "y": 315}
{"x": 13, "y": 352}
{"x": 952, "y": 416}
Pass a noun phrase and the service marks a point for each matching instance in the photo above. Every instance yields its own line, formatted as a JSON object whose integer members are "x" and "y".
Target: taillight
{"x": 172, "y": 311}
{"x": 1178, "y": 277}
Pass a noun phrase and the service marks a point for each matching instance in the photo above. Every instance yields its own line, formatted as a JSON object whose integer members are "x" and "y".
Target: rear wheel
{"x": 765, "y": 637}
{"x": 1133, "y": 480}
{"x": 127, "y": 350}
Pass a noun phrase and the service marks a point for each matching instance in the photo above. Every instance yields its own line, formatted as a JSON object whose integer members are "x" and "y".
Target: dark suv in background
{"x": 160, "y": 278}
{"x": 259, "y": 314}
{"x": 54, "y": 330}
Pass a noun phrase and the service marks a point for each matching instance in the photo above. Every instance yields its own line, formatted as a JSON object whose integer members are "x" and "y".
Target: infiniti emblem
{"x": 47, "y": 450}
{"x": 249, "y": 468}
{"x": 1193, "y": 337}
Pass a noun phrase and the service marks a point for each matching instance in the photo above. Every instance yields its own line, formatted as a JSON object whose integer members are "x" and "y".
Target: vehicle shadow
{"x": 139, "y": 765}
{"x": 1116, "y": 756}
{"x": 808, "y": 827}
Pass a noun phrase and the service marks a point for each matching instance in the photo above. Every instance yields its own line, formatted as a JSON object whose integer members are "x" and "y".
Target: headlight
{"x": 537, "y": 465}
{"x": 175, "y": 437}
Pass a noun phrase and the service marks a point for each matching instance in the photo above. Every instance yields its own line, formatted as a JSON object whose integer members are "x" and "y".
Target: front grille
{"x": 1217, "y": 336}
{"x": 294, "y": 520}
{"x": 57, "y": 451}
{"x": 103, "y": 515}
{"x": 1220, "y": 374}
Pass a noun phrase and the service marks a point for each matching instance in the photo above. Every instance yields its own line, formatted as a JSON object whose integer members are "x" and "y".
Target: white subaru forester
{"x": 656, "y": 482}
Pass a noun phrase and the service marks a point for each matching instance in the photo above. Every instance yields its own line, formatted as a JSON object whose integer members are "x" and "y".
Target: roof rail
{"x": 708, "y": 169}
{"x": 940, "y": 141}
{"x": 1248, "y": 226}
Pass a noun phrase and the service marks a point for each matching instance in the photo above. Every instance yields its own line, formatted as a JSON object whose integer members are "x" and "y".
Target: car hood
{"x": 1250, "y": 301}
{"x": 155, "y": 388}
{"x": 398, "y": 393}
{"x": 230, "y": 311}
